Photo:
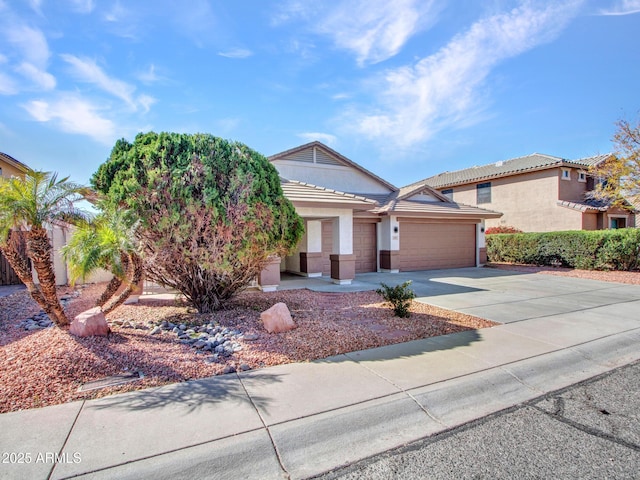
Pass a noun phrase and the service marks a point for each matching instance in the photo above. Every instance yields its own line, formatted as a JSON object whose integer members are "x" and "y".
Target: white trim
{"x": 582, "y": 176}
{"x": 566, "y": 171}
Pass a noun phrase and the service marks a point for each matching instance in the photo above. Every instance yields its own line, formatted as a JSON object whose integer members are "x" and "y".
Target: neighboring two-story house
{"x": 535, "y": 193}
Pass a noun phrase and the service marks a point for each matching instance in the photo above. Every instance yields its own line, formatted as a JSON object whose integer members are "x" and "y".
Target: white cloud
{"x": 372, "y": 30}
{"x": 375, "y": 30}
{"x": 88, "y": 71}
{"x": 445, "y": 89}
{"x": 73, "y": 114}
{"x": 149, "y": 76}
{"x": 236, "y": 53}
{"x": 31, "y": 43}
{"x": 43, "y": 80}
{"x": 36, "y": 6}
{"x": 29, "y": 56}
{"x": 145, "y": 101}
{"x": 623, "y": 7}
{"x": 326, "y": 138}
{"x": 83, "y": 6}
{"x": 7, "y": 85}
{"x": 116, "y": 13}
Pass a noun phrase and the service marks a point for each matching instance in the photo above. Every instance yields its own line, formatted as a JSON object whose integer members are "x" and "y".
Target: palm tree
{"x": 109, "y": 243}
{"x": 28, "y": 205}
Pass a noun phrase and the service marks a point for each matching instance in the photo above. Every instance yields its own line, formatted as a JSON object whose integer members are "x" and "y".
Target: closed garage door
{"x": 364, "y": 247}
{"x": 429, "y": 246}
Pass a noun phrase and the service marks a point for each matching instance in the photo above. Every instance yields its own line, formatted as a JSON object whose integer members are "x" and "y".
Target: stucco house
{"x": 357, "y": 222}
{"x": 535, "y": 193}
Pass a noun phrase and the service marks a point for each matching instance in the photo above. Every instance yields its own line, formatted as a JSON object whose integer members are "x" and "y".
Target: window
{"x": 566, "y": 174}
{"x": 448, "y": 193}
{"x": 483, "y": 193}
{"x": 582, "y": 177}
{"x": 618, "y": 223}
{"x": 0, "y": 171}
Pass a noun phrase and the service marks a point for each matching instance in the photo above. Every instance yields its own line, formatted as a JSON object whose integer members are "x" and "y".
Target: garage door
{"x": 428, "y": 246}
{"x": 364, "y": 247}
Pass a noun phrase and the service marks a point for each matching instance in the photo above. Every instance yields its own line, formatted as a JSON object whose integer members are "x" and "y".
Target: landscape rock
{"x": 89, "y": 323}
{"x": 277, "y": 319}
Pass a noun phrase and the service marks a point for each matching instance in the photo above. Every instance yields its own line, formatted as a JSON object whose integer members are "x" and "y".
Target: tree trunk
{"x": 134, "y": 276}
{"x": 114, "y": 284}
{"x": 21, "y": 267}
{"x": 39, "y": 250}
{"x": 110, "y": 290}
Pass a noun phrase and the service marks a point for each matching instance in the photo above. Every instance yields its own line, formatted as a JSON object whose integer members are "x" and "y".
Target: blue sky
{"x": 406, "y": 88}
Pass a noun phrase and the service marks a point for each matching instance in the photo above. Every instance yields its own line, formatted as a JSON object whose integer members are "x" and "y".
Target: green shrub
{"x": 399, "y": 297}
{"x": 588, "y": 250}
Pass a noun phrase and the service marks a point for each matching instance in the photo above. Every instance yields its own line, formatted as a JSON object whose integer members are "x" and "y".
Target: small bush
{"x": 501, "y": 229}
{"x": 399, "y": 297}
{"x": 588, "y": 250}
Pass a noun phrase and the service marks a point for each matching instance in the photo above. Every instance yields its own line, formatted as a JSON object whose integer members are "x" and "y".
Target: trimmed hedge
{"x": 588, "y": 250}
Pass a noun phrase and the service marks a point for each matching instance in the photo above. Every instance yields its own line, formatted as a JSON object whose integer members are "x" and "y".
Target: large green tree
{"x": 27, "y": 206}
{"x": 211, "y": 212}
{"x": 620, "y": 175}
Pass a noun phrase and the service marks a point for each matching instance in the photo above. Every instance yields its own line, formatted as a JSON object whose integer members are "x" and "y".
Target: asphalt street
{"x": 590, "y": 430}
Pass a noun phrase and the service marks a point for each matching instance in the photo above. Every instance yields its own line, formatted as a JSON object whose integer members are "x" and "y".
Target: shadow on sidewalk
{"x": 187, "y": 397}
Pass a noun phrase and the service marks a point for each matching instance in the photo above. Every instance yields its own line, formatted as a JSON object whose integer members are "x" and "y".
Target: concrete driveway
{"x": 500, "y": 295}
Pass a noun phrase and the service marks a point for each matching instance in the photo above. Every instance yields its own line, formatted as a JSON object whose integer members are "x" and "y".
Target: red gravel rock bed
{"x": 47, "y": 367}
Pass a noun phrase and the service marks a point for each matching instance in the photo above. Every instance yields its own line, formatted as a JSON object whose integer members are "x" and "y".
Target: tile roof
{"x": 436, "y": 209}
{"x": 535, "y": 161}
{"x": 305, "y": 192}
{"x": 399, "y": 202}
{"x": 583, "y": 206}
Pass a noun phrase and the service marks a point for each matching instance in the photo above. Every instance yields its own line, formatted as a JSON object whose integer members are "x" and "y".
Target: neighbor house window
{"x": 582, "y": 177}
{"x": 0, "y": 171}
{"x": 448, "y": 193}
{"x": 483, "y": 192}
{"x": 618, "y": 223}
{"x": 566, "y": 174}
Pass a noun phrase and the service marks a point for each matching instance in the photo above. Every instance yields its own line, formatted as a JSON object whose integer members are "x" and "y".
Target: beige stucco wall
{"x": 572, "y": 190}
{"x": 9, "y": 171}
{"x": 528, "y": 201}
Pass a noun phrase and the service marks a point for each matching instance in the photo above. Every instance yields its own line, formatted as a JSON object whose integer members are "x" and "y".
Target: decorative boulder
{"x": 90, "y": 323}
{"x": 277, "y": 319}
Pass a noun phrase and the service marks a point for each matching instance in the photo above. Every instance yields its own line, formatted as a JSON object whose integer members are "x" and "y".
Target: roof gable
{"x": 307, "y": 162}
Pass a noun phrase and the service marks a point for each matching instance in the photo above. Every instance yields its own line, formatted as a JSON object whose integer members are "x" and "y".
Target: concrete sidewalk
{"x": 301, "y": 420}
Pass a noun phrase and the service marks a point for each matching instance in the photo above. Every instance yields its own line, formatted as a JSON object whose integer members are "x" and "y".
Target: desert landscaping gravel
{"x": 170, "y": 342}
